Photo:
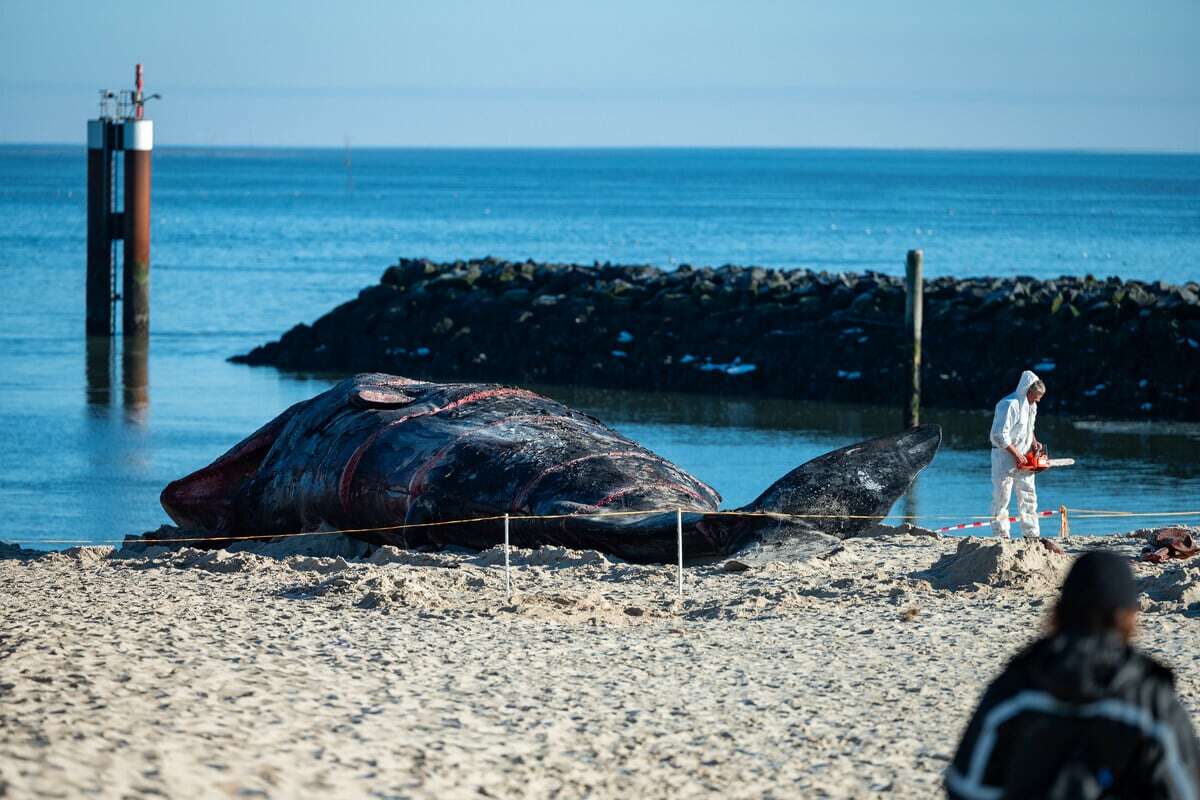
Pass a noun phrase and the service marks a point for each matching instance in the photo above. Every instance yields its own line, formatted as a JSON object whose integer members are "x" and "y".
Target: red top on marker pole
{"x": 137, "y": 93}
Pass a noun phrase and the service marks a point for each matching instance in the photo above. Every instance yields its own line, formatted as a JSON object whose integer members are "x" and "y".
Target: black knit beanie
{"x": 1098, "y": 584}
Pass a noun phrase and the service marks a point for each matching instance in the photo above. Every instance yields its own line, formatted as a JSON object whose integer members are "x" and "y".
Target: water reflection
{"x": 99, "y": 364}
{"x": 740, "y": 446}
{"x": 98, "y": 369}
{"x": 135, "y": 378}
{"x": 1170, "y": 447}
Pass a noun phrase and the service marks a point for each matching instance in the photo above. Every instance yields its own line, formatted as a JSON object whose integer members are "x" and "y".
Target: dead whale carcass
{"x": 379, "y": 452}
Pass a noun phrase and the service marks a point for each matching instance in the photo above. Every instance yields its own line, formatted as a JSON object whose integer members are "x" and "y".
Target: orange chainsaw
{"x": 1038, "y": 460}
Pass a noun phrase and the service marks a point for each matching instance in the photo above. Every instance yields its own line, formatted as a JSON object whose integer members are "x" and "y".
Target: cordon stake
{"x": 507, "y": 577}
{"x": 679, "y": 548}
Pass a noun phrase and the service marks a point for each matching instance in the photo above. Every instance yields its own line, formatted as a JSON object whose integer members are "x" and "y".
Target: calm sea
{"x": 248, "y": 242}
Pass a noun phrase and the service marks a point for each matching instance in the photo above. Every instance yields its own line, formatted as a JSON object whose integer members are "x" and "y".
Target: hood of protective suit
{"x": 1013, "y": 423}
{"x": 1028, "y": 379}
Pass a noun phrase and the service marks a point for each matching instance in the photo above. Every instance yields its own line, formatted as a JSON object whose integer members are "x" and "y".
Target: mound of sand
{"x": 411, "y": 590}
{"x": 319, "y": 545}
{"x": 1029, "y": 566}
{"x": 214, "y": 560}
{"x": 1176, "y": 588}
{"x": 449, "y": 559}
{"x": 315, "y": 564}
{"x": 547, "y": 556}
{"x": 86, "y": 556}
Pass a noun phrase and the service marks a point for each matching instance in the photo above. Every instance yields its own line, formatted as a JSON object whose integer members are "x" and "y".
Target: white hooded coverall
{"x": 1013, "y": 425}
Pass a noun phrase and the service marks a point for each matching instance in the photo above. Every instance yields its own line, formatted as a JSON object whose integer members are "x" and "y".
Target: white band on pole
{"x": 139, "y": 134}
{"x": 679, "y": 542}
{"x": 507, "y": 579}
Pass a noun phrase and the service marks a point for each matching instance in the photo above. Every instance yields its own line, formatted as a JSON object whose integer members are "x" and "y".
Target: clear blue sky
{"x": 956, "y": 74}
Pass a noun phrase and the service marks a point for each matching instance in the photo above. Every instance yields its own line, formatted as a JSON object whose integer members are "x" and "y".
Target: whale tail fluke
{"x": 846, "y": 491}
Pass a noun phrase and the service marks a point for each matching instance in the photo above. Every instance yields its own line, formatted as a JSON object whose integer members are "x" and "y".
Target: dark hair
{"x": 1099, "y": 586}
{"x": 1077, "y": 620}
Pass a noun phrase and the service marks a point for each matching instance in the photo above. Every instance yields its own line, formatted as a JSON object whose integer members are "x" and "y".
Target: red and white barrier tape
{"x": 981, "y": 523}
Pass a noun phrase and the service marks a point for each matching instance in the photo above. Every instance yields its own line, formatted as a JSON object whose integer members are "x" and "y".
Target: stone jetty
{"x": 1106, "y": 347}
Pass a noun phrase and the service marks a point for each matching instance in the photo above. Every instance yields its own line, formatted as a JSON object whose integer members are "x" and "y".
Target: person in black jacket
{"x": 1081, "y": 713}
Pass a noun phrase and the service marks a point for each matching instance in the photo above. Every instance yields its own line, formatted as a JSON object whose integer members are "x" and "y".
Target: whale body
{"x": 376, "y": 453}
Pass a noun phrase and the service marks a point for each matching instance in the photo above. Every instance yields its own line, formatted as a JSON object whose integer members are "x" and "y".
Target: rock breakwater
{"x": 1105, "y": 347}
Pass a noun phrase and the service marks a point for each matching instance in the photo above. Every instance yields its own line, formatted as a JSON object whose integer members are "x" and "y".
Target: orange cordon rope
{"x": 1088, "y": 514}
{"x": 493, "y": 518}
{"x": 984, "y": 520}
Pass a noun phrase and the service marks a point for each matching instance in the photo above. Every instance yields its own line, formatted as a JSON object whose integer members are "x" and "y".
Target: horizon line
{"x": 349, "y": 145}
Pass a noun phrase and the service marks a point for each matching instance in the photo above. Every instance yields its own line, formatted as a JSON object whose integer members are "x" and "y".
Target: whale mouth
{"x": 202, "y": 501}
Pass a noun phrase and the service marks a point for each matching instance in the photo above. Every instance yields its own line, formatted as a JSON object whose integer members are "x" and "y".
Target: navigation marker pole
{"x": 121, "y": 130}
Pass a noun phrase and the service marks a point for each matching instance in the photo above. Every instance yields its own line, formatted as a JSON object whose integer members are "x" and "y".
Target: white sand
{"x": 191, "y": 674}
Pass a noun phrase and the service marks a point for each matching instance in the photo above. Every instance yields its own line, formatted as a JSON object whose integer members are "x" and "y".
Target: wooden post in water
{"x": 913, "y": 314}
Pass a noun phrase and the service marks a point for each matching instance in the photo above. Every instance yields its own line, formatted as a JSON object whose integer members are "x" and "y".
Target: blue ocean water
{"x": 247, "y": 242}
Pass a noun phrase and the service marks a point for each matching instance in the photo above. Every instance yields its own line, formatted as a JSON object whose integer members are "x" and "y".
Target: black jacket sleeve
{"x": 956, "y": 774}
{"x": 1171, "y": 764}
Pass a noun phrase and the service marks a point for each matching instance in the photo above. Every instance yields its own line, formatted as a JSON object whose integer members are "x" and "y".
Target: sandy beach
{"x": 321, "y": 667}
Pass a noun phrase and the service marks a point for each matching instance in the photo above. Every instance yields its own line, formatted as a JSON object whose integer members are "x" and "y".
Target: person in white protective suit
{"x": 1012, "y": 436}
